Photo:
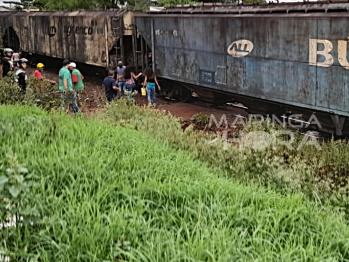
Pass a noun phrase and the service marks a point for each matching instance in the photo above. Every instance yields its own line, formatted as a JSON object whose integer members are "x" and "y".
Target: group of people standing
{"x": 71, "y": 80}
{"x": 13, "y": 62}
{"x": 123, "y": 79}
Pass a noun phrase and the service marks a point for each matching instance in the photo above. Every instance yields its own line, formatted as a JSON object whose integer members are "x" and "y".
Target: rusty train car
{"x": 95, "y": 38}
{"x": 276, "y": 58}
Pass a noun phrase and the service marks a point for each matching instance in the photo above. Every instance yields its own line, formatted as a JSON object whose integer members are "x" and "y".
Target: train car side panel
{"x": 85, "y": 37}
{"x": 272, "y": 68}
{"x": 185, "y": 46}
{"x": 332, "y": 77}
{"x": 263, "y": 56}
{"x": 20, "y": 26}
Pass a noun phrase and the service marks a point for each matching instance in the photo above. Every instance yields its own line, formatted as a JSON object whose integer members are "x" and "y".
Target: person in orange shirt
{"x": 38, "y": 73}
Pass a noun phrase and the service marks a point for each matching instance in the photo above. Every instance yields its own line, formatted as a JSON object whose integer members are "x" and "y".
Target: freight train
{"x": 94, "y": 38}
{"x": 288, "y": 58}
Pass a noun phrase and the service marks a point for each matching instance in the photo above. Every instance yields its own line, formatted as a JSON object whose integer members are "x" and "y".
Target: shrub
{"x": 43, "y": 94}
{"x": 200, "y": 119}
{"x": 9, "y": 92}
{"x": 38, "y": 92}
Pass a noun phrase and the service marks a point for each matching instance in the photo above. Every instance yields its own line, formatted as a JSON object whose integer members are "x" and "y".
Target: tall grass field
{"x": 319, "y": 175}
{"x": 89, "y": 190}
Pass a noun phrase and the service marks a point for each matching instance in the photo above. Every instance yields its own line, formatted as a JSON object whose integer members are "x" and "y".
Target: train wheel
{"x": 185, "y": 95}
{"x": 163, "y": 92}
{"x": 167, "y": 89}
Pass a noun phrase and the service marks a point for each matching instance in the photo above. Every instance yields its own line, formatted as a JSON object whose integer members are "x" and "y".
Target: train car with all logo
{"x": 278, "y": 58}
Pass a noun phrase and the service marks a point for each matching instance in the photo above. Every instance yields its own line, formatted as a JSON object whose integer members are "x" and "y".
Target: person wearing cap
{"x": 6, "y": 61}
{"x": 77, "y": 79}
{"x": 66, "y": 87}
{"x": 38, "y": 73}
{"x": 21, "y": 75}
{"x": 120, "y": 70}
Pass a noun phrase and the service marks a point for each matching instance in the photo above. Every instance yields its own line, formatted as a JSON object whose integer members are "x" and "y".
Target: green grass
{"x": 110, "y": 193}
{"x": 320, "y": 175}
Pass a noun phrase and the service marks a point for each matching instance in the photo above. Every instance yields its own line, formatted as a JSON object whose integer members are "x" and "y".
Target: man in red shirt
{"x": 38, "y": 73}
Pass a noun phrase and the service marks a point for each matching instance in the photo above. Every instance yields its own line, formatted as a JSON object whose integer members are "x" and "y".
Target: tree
{"x": 40, "y": 4}
{"x": 27, "y": 3}
{"x": 139, "y": 4}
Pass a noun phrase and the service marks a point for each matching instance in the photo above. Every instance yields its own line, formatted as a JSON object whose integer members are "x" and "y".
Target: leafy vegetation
{"x": 10, "y": 93}
{"x": 18, "y": 202}
{"x": 200, "y": 119}
{"x": 38, "y": 92}
{"x": 109, "y": 193}
{"x": 321, "y": 175}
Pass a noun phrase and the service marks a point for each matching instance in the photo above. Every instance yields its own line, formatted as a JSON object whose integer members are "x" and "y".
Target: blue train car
{"x": 272, "y": 58}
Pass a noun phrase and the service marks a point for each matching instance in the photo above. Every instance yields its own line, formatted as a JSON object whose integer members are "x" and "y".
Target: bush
{"x": 9, "y": 92}
{"x": 43, "y": 94}
{"x": 200, "y": 119}
{"x": 38, "y": 92}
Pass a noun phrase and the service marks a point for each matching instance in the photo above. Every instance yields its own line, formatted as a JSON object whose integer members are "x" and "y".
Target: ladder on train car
{"x": 136, "y": 52}
{"x": 117, "y": 27}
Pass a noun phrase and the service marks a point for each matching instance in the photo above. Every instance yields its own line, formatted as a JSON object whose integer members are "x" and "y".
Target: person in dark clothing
{"x": 110, "y": 86}
{"x": 6, "y": 61}
{"x": 20, "y": 73}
